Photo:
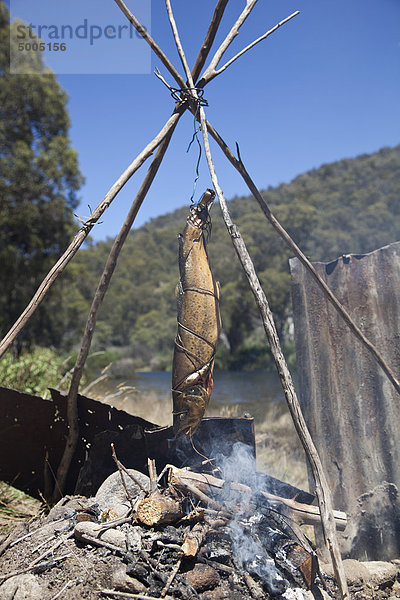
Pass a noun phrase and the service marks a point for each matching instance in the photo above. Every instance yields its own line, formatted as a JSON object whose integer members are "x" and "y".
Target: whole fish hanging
{"x": 199, "y": 323}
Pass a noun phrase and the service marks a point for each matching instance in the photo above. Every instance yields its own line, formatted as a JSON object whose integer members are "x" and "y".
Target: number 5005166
{"x": 41, "y": 46}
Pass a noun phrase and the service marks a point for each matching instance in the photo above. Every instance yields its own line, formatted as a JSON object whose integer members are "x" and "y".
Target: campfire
{"x": 212, "y": 531}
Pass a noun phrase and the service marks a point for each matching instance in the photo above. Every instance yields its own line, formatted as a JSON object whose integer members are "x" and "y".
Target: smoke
{"x": 248, "y": 548}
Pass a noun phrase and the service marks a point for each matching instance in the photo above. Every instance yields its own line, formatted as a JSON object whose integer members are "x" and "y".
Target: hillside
{"x": 350, "y": 206}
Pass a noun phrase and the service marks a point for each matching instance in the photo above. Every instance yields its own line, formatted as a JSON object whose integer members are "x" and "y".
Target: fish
{"x": 199, "y": 323}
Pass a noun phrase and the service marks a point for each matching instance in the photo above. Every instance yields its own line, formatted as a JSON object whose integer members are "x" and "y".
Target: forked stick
{"x": 321, "y": 484}
{"x": 209, "y": 72}
{"x": 214, "y": 72}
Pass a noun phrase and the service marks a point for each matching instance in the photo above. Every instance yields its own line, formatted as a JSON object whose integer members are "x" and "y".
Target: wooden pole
{"x": 239, "y": 166}
{"x": 82, "y": 234}
{"x": 72, "y": 404}
{"x": 322, "y": 489}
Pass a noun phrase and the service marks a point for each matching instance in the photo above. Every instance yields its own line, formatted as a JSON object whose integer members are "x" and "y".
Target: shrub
{"x": 32, "y": 372}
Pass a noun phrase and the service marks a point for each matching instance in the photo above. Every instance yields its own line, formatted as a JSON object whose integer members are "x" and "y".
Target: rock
{"x": 111, "y": 494}
{"x": 124, "y": 538}
{"x": 382, "y": 574}
{"x": 375, "y": 573}
{"x": 86, "y": 531}
{"x": 115, "y": 537}
{"x": 296, "y": 594}
{"x": 133, "y": 537}
{"x": 202, "y": 578}
{"x": 356, "y": 572}
{"x": 373, "y": 529}
{"x": 21, "y": 587}
{"x": 124, "y": 583}
{"x": 67, "y": 507}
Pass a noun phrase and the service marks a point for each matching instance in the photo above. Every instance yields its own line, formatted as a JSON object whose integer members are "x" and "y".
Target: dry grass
{"x": 15, "y": 507}
{"x": 279, "y": 450}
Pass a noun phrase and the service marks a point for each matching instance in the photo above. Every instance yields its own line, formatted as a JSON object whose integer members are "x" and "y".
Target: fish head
{"x": 192, "y": 404}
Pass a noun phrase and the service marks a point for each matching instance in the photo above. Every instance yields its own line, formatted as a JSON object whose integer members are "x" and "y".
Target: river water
{"x": 148, "y": 395}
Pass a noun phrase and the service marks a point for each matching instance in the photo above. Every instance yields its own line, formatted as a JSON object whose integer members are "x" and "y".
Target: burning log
{"x": 301, "y": 513}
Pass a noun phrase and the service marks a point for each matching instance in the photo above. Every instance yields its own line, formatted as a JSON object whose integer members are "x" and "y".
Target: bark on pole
{"x": 72, "y": 408}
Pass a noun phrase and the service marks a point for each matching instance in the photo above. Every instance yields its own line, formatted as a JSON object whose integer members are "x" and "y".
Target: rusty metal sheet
{"x": 351, "y": 408}
{"x": 33, "y": 433}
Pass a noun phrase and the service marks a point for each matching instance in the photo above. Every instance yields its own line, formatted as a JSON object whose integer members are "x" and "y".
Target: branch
{"x": 178, "y": 44}
{"x": 257, "y": 41}
{"x": 203, "y": 482}
{"x": 153, "y": 45}
{"x": 72, "y": 404}
{"x": 119, "y": 467}
{"x": 80, "y": 237}
{"x": 322, "y": 489}
{"x": 209, "y": 39}
{"x": 210, "y": 72}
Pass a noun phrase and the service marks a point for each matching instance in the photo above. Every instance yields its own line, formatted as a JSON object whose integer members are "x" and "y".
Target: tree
{"x": 39, "y": 179}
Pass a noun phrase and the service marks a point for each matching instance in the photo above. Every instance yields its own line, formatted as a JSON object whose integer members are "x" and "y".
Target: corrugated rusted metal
{"x": 352, "y": 410}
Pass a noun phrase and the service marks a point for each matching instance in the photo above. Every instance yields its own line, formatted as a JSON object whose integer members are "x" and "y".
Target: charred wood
{"x": 208, "y": 484}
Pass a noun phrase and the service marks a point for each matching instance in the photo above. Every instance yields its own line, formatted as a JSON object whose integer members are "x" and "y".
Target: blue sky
{"x": 323, "y": 87}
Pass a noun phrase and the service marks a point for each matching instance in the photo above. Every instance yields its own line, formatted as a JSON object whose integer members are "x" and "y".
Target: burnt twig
{"x": 151, "y": 464}
{"x": 171, "y": 578}
{"x": 125, "y": 470}
{"x": 65, "y": 587}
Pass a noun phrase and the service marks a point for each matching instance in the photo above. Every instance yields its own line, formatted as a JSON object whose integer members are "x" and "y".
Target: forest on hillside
{"x": 350, "y": 206}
